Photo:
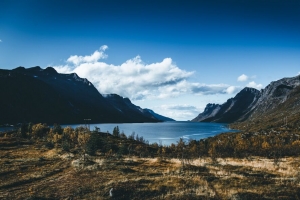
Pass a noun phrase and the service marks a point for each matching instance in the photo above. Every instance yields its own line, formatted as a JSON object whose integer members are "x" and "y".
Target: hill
{"x": 43, "y": 95}
{"x": 276, "y": 105}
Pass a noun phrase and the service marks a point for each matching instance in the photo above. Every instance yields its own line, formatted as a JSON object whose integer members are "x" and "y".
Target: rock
{"x": 111, "y": 192}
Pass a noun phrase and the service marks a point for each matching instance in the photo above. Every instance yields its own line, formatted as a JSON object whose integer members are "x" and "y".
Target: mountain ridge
{"x": 268, "y": 108}
{"x": 44, "y": 95}
{"x": 234, "y": 109}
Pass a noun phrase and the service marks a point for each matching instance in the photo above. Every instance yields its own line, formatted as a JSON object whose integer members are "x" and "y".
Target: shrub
{"x": 40, "y": 130}
{"x": 57, "y": 129}
{"x": 94, "y": 143}
{"x": 49, "y": 145}
{"x": 65, "y": 146}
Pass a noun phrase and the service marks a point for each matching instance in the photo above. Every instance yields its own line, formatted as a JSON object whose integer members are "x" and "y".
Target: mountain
{"x": 279, "y": 101}
{"x": 275, "y": 94}
{"x": 235, "y": 109}
{"x": 43, "y": 95}
{"x": 278, "y": 108}
{"x": 158, "y": 116}
{"x": 125, "y": 106}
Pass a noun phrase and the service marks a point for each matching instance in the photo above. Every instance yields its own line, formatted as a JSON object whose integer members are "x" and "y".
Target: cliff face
{"x": 43, "y": 95}
{"x": 210, "y": 111}
{"x": 275, "y": 94}
{"x": 235, "y": 109}
{"x": 251, "y": 104}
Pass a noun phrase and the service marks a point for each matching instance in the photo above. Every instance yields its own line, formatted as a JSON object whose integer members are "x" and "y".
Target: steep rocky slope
{"x": 275, "y": 111}
{"x": 43, "y": 95}
{"x": 274, "y": 95}
{"x": 277, "y": 102}
{"x": 235, "y": 109}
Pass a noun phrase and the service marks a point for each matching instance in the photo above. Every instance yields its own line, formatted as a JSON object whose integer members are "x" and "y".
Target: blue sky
{"x": 170, "y": 56}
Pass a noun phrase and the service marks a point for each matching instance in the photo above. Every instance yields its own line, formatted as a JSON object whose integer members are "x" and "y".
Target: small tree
{"x": 116, "y": 132}
{"x": 139, "y": 150}
{"x": 123, "y": 136}
{"x": 23, "y": 130}
{"x": 123, "y": 149}
{"x": 131, "y": 137}
{"x": 82, "y": 138}
{"x": 181, "y": 150}
{"x": 94, "y": 143}
{"x": 159, "y": 150}
{"x": 68, "y": 136}
{"x": 97, "y": 129}
{"x": 57, "y": 129}
{"x": 30, "y": 127}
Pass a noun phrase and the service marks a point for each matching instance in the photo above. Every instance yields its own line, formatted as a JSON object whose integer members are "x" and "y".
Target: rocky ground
{"x": 30, "y": 170}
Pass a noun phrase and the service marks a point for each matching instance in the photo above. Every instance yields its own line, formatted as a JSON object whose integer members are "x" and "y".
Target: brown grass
{"x": 31, "y": 171}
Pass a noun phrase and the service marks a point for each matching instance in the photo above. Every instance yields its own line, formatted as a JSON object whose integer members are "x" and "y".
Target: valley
{"x": 261, "y": 161}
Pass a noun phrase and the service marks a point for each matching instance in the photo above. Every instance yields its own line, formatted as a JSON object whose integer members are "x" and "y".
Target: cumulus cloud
{"x": 242, "y": 78}
{"x": 233, "y": 89}
{"x": 97, "y": 55}
{"x": 255, "y": 85}
{"x": 136, "y": 79}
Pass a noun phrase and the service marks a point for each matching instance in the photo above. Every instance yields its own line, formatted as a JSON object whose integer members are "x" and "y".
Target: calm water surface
{"x": 167, "y": 132}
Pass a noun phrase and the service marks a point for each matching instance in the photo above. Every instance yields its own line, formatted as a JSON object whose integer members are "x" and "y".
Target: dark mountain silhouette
{"x": 279, "y": 100}
{"x": 43, "y": 95}
{"x": 235, "y": 109}
{"x": 158, "y": 116}
{"x": 125, "y": 106}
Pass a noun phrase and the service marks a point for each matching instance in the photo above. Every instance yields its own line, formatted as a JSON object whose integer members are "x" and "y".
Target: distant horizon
{"x": 173, "y": 57}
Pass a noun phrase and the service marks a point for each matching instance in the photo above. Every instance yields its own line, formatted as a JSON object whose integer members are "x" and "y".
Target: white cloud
{"x": 242, "y": 78}
{"x": 180, "y": 111}
{"x": 255, "y": 85}
{"x": 103, "y": 47}
{"x": 0, "y": 40}
{"x": 97, "y": 55}
{"x": 138, "y": 80}
{"x": 179, "y": 107}
{"x": 233, "y": 89}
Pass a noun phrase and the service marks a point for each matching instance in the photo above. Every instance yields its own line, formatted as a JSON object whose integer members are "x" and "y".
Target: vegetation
{"x": 39, "y": 162}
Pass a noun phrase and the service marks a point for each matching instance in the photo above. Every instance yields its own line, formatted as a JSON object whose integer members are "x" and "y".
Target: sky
{"x": 171, "y": 56}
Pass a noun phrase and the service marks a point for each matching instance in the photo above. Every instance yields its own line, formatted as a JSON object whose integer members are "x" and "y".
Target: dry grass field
{"x": 32, "y": 171}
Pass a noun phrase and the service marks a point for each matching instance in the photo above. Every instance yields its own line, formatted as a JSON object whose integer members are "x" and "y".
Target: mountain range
{"x": 43, "y": 95}
{"x": 279, "y": 101}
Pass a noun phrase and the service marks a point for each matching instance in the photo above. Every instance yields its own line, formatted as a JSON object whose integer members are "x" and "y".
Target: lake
{"x": 166, "y": 132}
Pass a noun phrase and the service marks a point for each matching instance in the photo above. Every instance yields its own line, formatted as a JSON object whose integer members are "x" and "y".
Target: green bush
{"x": 94, "y": 143}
